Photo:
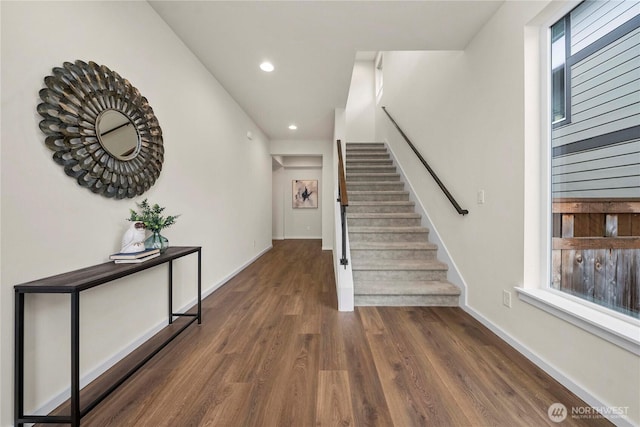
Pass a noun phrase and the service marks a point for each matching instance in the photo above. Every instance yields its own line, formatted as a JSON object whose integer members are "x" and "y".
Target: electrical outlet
{"x": 506, "y": 298}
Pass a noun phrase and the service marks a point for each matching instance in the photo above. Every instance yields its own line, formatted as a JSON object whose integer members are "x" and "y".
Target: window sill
{"x": 625, "y": 334}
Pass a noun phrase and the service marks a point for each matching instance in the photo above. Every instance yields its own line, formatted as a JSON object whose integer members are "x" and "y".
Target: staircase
{"x": 392, "y": 261}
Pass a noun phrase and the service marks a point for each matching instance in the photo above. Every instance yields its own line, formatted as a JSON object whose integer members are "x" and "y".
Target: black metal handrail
{"x": 426, "y": 165}
{"x": 343, "y": 199}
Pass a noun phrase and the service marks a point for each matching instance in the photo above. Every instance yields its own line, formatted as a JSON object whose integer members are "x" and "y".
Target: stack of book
{"x": 134, "y": 257}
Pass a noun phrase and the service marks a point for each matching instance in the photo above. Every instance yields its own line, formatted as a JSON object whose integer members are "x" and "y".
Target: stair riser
{"x": 383, "y": 222}
{"x": 378, "y": 197}
{"x": 372, "y": 177}
{"x": 406, "y": 300}
{"x": 351, "y": 145}
{"x": 370, "y": 162}
{"x": 367, "y": 186}
{"x": 360, "y": 255}
{"x": 399, "y": 275}
{"x": 368, "y": 159}
{"x": 388, "y": 237}
{"x": 354, "y": 155}
{"x": 371, "y": 169}
{"x": 380, "y": 209}
{"x": 377, "y": 148}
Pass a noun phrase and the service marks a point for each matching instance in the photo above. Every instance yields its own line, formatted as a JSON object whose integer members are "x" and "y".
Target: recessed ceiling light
{"x": 267, "y": 67}
{"x": 293, "y": 127}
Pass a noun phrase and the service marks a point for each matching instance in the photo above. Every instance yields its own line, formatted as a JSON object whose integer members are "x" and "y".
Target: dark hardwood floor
{"x": 274, "y": 351}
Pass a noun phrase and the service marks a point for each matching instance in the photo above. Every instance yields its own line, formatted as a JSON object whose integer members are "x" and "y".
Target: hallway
{"x": 273, "y": 351}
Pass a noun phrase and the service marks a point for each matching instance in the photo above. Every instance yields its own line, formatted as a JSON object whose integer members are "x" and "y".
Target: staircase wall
{"x": 361, "y": 104}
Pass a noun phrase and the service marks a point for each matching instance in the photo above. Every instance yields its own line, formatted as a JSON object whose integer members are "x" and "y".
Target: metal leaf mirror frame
{"x": 79, "y": 100}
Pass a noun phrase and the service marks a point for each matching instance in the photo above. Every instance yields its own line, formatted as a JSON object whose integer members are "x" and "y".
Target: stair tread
{"x": 358, "y": 168}
{"x": 375, "y": 174}
{"x": 373, "y": 215}
{"x": 388, "y": 229}
{"x": 366, "y": 147}
{"x": 382, "y": 202}
{"x": 374, "y": 183}
{"x": 381, "y": 246}
{"x": 356, "y": 183}
{"x": 419, "y": 287}
{"x": 379, "y": 191}
{"x": 398, "y": 265}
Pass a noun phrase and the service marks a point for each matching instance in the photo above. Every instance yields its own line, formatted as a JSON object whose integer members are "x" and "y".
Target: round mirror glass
{"x": 117, "y": 134}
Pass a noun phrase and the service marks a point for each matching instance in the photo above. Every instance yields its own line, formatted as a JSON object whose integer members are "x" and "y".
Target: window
{"x": 379, "y": 81}
{"x": 595, "y": 155}
{"x": 593, "y": 160}
{"x": 558, "y": 73}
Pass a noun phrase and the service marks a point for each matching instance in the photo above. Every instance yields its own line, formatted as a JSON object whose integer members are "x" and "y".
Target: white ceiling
{"x": 313, "y": 45}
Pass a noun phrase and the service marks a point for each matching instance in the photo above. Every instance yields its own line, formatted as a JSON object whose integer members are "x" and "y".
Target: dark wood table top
{"x": 89, "y": 277}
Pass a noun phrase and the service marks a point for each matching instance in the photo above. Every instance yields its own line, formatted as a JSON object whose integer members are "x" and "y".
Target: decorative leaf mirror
{"x": 101, "y": 129}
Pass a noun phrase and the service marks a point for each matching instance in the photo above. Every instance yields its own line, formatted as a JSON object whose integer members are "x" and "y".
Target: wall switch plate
{"x": 481, "y": 197}
{"x": 506, "y": 298}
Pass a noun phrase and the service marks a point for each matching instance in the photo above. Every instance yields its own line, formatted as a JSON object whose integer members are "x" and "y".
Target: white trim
{"x": 575, "y": 388}
{"x": 63, "y": 396}
{"x": 624, "y": 334}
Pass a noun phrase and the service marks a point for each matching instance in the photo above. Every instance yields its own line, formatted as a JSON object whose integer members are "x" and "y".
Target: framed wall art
{"x": 305, "y": 193}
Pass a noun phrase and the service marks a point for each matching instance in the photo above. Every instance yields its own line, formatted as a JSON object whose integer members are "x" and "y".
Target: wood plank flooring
{"x": 273, "y": 351}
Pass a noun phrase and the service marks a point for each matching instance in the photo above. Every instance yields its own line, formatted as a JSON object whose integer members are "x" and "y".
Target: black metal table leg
{"x": 18, "y": 398}
{"x": 75, "y": 359}
{"x": 170, "y": 292}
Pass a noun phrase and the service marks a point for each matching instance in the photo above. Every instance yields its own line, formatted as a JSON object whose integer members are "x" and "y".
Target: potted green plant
{"x": 154, "y": 221}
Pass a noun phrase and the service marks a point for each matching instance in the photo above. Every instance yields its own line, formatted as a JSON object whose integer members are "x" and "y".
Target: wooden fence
{"x": 596, "y": 251}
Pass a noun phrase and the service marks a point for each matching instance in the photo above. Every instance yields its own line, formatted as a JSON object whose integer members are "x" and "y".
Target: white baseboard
{"x": 231, "y": 275}
{"x": 61, "y": 397}
{"x": 590, "y": 399}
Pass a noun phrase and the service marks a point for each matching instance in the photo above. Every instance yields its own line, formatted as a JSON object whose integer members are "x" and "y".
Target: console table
{"x": 73, "y": 283}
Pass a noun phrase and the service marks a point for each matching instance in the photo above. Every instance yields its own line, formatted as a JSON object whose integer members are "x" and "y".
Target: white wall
{"x": 360, "y": 111}
{"x": 465, "y": 112}
{"x": 290, "y": 223}
{"x": 51, "y": 225}
{"x": 323, "y": 149}
{"x": 277, "y": 194}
